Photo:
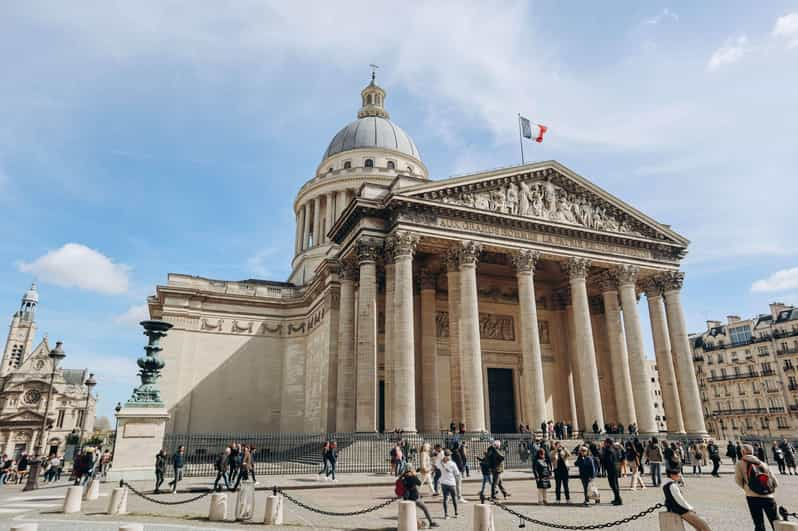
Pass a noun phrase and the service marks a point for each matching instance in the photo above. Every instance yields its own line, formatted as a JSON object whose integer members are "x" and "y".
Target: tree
{"x": 102, "y": 424}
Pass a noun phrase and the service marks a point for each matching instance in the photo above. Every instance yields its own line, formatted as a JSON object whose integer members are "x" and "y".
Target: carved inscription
{"x": 491, "y": 326}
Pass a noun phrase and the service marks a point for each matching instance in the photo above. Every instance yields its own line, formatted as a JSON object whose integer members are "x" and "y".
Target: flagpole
{"x": 521, "y": 139}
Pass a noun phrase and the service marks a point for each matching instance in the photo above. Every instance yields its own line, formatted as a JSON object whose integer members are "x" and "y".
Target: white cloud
{"x": 786, "y": 27}
{"x": 786, "y": 279}
{"x": 729, "y": 53}
{"x": 75, "y": 265}
{"x": 664, "y": 15}
{"x": 262, "y": 263}
{"x": 133, "y": 316}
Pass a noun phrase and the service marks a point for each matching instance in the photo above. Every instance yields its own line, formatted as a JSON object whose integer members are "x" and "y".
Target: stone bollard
{"x": 131, "y": 527}
{"x": 781, "y": 525}
{"x": 274, "y": 510}
{"x": 483, "y": 517}
{"x": 217, "y": 512}
{"x": 72, "y": 500}
{"x": 407, "y": 516}
{"x": 25, "y": 527}
{"x": 92, "y": 491}
{"x": 670, "y": 522}
{"x": 118, "y": 502}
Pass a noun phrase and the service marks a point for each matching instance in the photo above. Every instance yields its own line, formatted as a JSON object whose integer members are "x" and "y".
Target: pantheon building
{"x": 494, "y": 299}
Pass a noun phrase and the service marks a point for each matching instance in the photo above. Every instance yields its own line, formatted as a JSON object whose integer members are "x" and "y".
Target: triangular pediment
{"x": 546, "y": 192}
{"x": 23, "y": 416}
{"x": 38, "y": 360}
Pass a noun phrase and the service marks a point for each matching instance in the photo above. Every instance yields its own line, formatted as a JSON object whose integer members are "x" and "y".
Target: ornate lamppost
{"x": 89, "y": 383}
{"x": 118, "y": 408}
{"x": 148, "y": 393}
{"x": 56, "y": 355}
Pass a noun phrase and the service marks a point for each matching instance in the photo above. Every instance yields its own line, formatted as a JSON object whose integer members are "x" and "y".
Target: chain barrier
{"x": 162, "y": 502}
{"x": 333, "y": 513}
{"x": 606, "y": 525}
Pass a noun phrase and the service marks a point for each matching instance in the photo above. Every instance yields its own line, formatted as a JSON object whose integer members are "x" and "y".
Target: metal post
{"x": 89, "y": 383}
{"x": 118, "y": 408}
{"x": 521, "y": 139}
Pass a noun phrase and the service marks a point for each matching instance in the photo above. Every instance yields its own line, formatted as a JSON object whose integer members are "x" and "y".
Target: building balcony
{"x": 787, "y": 351}
{"x": 767, "y": 372}
{"x": 742, "y": 411}
{"x": 772, "y": 390}
{"x": 752, "y": 341}
{"x": 788, "y": 368}
{"x": 779, "y": 334}
{"x": 727, "y": 377}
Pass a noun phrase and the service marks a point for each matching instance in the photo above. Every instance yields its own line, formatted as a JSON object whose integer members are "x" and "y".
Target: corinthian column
{"x": 317, "y": 221}
{"x": 624, "y": 399}
{"x": 532, "y": 395}
{"x": 366, "y": 410}
{"x": 329, "y": 213}
{"x": 429, "y": 354}
{"x": 473, "y": 393}
{"x": 638, "y": 369}
{"x": 345, "y": 406}
{"x": 577, "y": 269}
{"x": 390, "y": 347}
{"x": 662, "y": 350}
{"x": 455, "y": 357}
{"x": 404, "y": 366}
{"x": 692, "y": 410}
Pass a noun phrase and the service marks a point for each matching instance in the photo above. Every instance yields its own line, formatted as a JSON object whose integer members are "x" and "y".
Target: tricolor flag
{"x": 532, "y": 131}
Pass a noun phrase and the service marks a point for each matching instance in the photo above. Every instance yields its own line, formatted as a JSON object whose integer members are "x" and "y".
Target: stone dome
{"x": 372, "y": 132}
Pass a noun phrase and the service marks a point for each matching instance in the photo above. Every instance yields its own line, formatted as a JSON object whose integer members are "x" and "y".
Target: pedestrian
{"x": 654, "y": 461}
{"x": 323, "y": 469}
{"x": 235, "y": 452}
{"x": 457, "y": 458}
{"x": 612, "y": 465}
{"x": 633, "y": 461}
{"x": 425, "y": 467}
{"x": 484, "y": 468}
{"x": 759, "y": 452}
{"x": 759, "y": 485}
{"x": 789, "y": 455}
{"x": 411, "y": 484}
{"x": 222, "y": 466}
{"x": 704, "y": 450}
{"x": 731, "y": 452}
{"x": 559, "y": 463}
{"x": 396, "y": 459}
{"x": 778, "y": 456}
{"x": 52, "y": 471}
{"x": 675, "y": 502}
{"x": 496, "y": 463}
{"x": 160, "y": 469}
{"x": 437, "y": 462}
{"x": 331, "y": 458}
{"x": 178, "y": 460}
{"x": 596, "y": 429}
{"x": 245, "y": 468}
{"x": 5, "y": 469}
{"x": 542, "y": 476}
{"x": 587, "y": 473}
{"x": 449, "y": 474}
{"x": 714, "y": 456}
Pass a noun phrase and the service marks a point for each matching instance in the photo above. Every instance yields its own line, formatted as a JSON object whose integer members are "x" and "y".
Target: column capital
{"x": 607, "y": 282}
{"x": 652, "y": 287}
{"x": 452, "y": 259}
{"x": 626, "y": 274}
{"x": 525, "y": 260}
{"x": 368, "y": 249}
{"x": 576, "y": 268}
{"x": 469, "y": 253}
{"x": 401, "y": 244}
{"x": 672, "y": 280}
{"x": 348, "y": 270}
{"x": 428, "y": 279}
{"x": 388, "y": 252}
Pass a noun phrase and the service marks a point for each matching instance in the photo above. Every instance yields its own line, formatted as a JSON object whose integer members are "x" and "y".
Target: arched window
{"x": 347, "y": 165}
{"x": 391, "y": 165}
{"x": 369, "y": 163}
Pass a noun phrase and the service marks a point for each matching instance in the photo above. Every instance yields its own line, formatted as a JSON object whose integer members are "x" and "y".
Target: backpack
{"x": 759, "y": 481}
{"x": 399, "y": 488}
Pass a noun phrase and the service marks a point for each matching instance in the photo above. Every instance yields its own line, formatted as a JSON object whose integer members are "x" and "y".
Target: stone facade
{"x": 747, "y": 371}
{"x": 24, "y": 386}
{"x": 492, "y": 299}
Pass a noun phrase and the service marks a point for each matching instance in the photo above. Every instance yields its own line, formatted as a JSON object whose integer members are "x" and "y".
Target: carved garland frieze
{"x": 491, "y": 326}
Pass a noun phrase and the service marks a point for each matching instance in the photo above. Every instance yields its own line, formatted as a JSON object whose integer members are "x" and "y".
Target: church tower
{"x": 21, "y": 333}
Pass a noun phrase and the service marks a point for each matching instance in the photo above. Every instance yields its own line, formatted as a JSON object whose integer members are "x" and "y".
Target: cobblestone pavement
{"x": 718, "y": 500}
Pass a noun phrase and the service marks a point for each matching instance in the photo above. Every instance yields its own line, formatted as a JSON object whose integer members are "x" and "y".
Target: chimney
{"x": 775, "y": 308}
{"x": 712, "y": 324}
{"x": 732, "y": 318}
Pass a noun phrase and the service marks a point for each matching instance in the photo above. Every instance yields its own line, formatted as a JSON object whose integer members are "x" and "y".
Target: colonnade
{"x": 357, "y": 399}
{"x": 315, "y": 217}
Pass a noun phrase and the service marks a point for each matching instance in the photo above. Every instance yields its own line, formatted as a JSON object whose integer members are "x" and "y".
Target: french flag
{"x": 532, "y": 131}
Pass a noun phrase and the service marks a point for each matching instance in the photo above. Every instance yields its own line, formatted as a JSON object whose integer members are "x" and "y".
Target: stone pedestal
{"x": 118, "y": 502}
{"x": 92, "y": 491}
{"x": 407, "y": 516}
{"x": 139, "y": 437}
{"x": 670, "y": 522}
{"x": 483, "y": 517}
{"x": 73, "y": 499}
{"x": 274, "y": 510}
{"x": 217, "y": 510}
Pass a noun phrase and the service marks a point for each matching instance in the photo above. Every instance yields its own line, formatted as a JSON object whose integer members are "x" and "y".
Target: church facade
{"x": 494, "y": 299}
{"x": 25, "y": 382}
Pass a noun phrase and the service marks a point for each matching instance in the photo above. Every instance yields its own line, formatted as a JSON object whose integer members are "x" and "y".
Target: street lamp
{"x": 89, "y": 383}
{"x": 56, "y": 355}
{"x": 118, "y": 408}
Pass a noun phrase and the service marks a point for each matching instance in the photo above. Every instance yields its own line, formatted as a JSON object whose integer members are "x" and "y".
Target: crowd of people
{"x": 86, "y": 463}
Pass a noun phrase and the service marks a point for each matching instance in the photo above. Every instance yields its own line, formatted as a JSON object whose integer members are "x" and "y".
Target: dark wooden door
{"x": 381, "y": 408}
{"x": 501, "y": 400}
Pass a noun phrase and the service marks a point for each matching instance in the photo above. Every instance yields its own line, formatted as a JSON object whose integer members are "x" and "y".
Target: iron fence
{"x": 300, "y": 453}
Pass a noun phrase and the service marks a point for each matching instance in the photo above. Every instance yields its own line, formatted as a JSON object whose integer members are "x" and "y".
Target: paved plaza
{"x": 718, "y": 500}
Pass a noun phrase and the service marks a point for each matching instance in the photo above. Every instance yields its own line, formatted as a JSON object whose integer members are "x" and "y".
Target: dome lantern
{"x": 373, "y": 100}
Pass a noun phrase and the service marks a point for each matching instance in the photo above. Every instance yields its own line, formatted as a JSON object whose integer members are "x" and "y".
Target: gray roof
{"x": 372, "y": 132}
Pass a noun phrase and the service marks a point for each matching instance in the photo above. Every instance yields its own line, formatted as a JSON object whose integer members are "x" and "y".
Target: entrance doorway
{"x": 381, "y": 408}
{"x": 501, "y": 400}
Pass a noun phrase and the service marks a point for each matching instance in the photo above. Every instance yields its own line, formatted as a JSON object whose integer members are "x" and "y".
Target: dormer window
{"x": 391, "y": 165}
{"x": 347, "y": 165}
{"x": 369, "y": 163}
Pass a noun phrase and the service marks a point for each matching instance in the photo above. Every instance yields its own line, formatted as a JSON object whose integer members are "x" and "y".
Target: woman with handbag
{"x": 542, "y": 475}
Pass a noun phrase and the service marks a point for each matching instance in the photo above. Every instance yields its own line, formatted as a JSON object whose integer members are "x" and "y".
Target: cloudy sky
{"x": 142, "y": 138}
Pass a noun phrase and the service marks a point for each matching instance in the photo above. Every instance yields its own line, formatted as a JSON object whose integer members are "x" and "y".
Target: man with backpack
{"x": 759, "y": 485}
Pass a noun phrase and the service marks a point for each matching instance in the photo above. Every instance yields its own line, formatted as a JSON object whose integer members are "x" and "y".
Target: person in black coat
{"x": 612, "y": 465}
{"x": 559, "y": 459}
{"x": 587, "y": 470}
{"x": 411, "y": 484}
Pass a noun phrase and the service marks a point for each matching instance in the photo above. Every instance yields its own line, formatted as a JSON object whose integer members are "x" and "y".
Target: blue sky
{"x": 172, "y": 136}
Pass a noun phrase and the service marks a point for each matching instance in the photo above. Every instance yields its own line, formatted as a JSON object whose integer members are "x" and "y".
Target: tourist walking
{"x": 323, "y": 469}
{"x": 495, "y": 457}
{"x": 178, "y": 461}
{"x": 612, "y": 464}
{"x": 425, "y": 467}
{"x": 396, "y": 459}
{"x": 449, "y": 474}
{"x": 778, "y": 456}
{"x": 542, "y": 475}
{"x": 457, "y": 459}
{"x": 759, "y": 485}
{"x": 731, "y": 452}
{"x": 675, "y": 502}
{"x": 789, "y": 455}
{"x": 484, "y": 468}
{"x": 160, "y": 469}
{"x": 654, "y": 460}
{"x": 330, "y": 458}
{"x": 235, "y": 454}
{"x": 587, "y": 473}
{"x": 559, "y": 462}
{"x": 437, "y": 461}
{"x": 697, "y": 457}
{"x": 222, "y": 468}
{"x": 714, "y": 456}
{"x": 633, "y": 460}
{"x": 245, "y": 468}
{"x": 411, "y": 484}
